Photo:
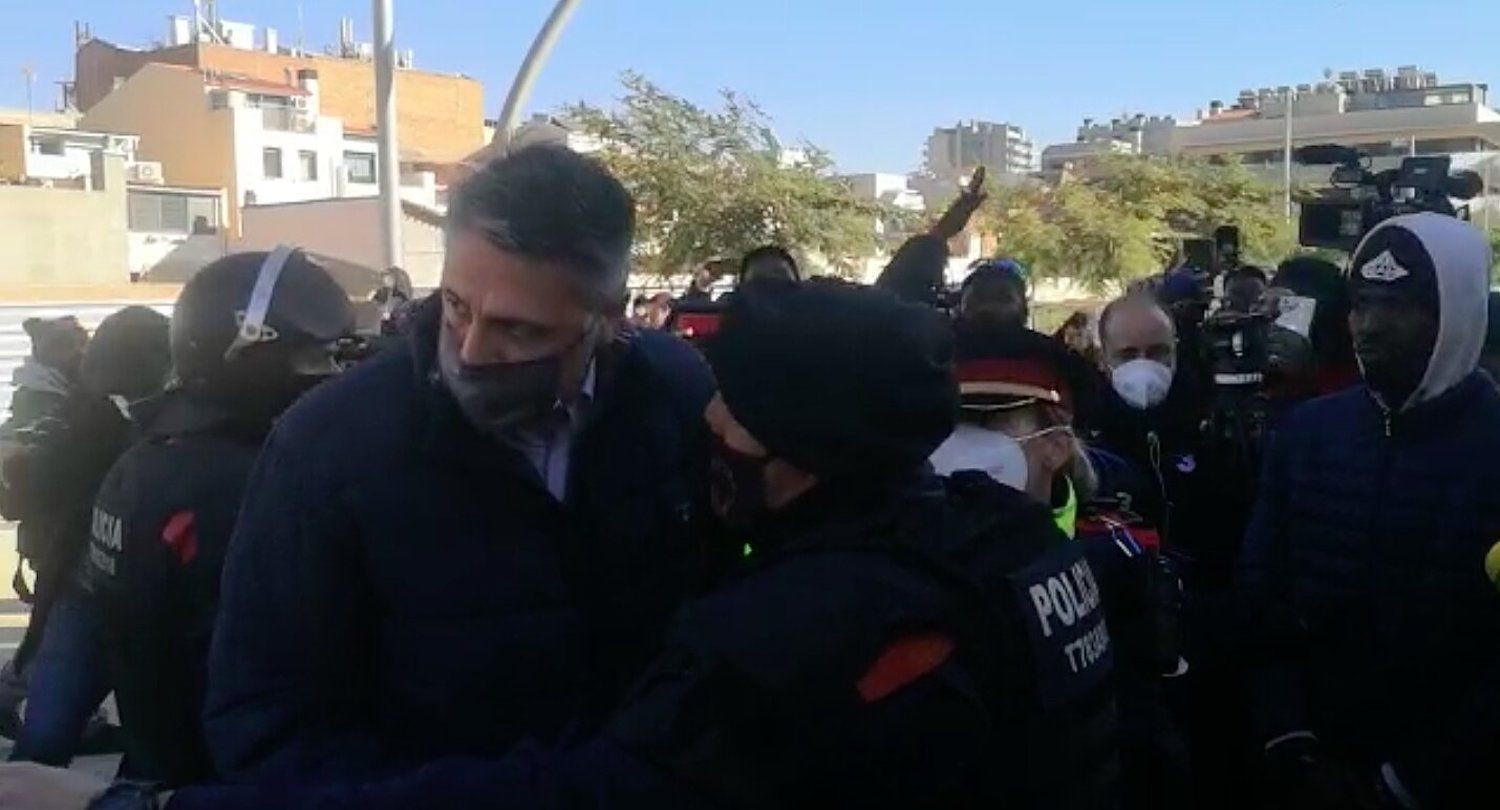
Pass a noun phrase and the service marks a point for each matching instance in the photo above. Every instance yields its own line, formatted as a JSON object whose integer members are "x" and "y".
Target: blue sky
{"x": 866, "y": 79}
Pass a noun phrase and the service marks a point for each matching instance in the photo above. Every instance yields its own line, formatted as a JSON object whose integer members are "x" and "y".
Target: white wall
{"x": 74, "y": 162}
{"x": 172, "y": 255}
{"x": 251, "y": 137}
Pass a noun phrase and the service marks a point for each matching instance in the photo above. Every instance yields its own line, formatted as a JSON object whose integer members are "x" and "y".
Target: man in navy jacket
{"x": 1379, "y": 646}
{"x": 477, "y": 537}
{"x": 890, "y": 641}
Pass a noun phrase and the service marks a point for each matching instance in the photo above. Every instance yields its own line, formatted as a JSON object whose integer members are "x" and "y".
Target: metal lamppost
{"x": 1290, "y": 99}
{"x": 388, "y": 169}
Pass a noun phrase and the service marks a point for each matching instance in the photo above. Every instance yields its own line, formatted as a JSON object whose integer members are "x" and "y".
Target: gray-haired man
{"x": 473, "y": 539}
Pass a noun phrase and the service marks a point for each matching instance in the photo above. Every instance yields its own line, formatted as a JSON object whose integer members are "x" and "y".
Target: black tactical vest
{"x": 980, "y": 563}
{"x": 161, "y": 525}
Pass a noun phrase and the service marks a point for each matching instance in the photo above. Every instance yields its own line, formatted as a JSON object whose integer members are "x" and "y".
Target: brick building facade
{"x": 440, "y": 117}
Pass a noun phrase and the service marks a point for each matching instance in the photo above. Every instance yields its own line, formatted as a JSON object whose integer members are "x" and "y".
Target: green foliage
{"x": 1494, "y": 236}
{"x": 1118, "y": 219}
{"x": 712, "y": 183}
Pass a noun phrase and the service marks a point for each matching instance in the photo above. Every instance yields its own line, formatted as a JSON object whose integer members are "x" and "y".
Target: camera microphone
{"x": 1464, "y": 185}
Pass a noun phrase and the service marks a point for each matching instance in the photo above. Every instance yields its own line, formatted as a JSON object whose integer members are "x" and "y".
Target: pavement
{"x": 13, "y": 617}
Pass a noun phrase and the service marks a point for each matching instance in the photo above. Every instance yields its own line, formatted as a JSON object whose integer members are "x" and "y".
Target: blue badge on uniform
{"x": 1060, "y": 605}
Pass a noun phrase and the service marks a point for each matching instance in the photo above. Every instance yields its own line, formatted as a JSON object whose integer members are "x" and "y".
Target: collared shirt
{"x": 548, "y": 444}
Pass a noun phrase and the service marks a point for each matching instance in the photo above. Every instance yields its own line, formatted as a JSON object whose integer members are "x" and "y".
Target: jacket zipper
{"x": 1385, "y": 412}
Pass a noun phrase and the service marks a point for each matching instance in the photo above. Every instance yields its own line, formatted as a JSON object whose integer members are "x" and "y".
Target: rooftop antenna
{"x": 206, "y": 21}
{"x": 300, "y": 30}
{"x": 29, "y": 71}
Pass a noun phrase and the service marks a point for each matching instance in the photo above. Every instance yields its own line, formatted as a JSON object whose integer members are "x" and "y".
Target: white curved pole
{"x": 520, "y": 89}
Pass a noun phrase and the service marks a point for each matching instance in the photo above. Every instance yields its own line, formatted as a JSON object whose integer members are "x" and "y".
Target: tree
{"x": 711, "y": 183}
{"x": 1118, "y": 218}
{"x": 1494, "y": 237}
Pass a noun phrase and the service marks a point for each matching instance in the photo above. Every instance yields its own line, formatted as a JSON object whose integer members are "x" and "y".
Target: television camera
{"x": 1360, "y": 199}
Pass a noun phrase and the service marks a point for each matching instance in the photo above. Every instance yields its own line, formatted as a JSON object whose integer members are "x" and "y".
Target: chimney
{"x": 271, "y": 41}
{"x": 307, "y": 79}
{"x": 1214, "y": 108}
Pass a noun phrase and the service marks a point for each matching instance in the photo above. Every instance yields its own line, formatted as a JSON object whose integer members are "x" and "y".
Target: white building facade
{"x": 1385, "y": 114}
{"x": 955, "y": 152}
{"x": 55, "y": 155}
{"x": 285, "y": 151}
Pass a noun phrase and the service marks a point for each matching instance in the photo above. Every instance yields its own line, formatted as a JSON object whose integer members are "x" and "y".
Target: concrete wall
{"x": 345, "y": 229}
{"x": 172, "y": 256}
{"x": 12, "y": 152}
{"x": 65, "y": 236}
{"x": 193, "y": 143}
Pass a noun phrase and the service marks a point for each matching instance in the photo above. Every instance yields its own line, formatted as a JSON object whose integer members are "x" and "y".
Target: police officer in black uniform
{"x": 1019, "y": 391}
{"x": 249, "y": 333}
{"x": 890, "y": 640}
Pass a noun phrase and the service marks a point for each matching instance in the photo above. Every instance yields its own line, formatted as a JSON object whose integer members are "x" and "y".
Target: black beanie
{"x": 130, "y": 354}
{"x": 1394, "y": 258}
{"x": 845, "y": 382}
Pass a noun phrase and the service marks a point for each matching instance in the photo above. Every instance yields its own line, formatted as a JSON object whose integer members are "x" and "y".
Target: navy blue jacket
{"x": 1365, "y": 567}
{"x": 400, "y": 587}
{"x": 881, "y": 649}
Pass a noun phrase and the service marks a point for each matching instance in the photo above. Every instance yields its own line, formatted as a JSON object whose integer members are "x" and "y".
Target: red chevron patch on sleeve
{"x": 904, "y": 661}
{"x": 180, "y": 536}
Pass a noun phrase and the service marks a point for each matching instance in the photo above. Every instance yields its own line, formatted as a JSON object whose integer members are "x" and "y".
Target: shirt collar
{"x": 586, "y": 390}
{"x": 565, "y": 417}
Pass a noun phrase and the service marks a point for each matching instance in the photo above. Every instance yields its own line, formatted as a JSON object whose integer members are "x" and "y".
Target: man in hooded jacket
{"x": 1372, "y": 557}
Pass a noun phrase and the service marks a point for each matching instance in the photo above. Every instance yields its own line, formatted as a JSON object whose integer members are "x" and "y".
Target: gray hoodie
{"x": 1460, "y": 263}
{"x": 34, "y": 375}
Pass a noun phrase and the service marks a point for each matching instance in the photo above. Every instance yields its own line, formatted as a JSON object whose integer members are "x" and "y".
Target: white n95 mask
{"x": 971, "y": 447}
{"x": 1142, "y": 383}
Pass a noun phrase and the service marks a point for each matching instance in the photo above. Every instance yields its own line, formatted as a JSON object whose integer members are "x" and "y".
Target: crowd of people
{"x": 808, "y": 544}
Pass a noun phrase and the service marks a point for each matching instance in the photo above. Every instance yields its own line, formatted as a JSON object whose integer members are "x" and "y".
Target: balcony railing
{"x": 286, "y": 119}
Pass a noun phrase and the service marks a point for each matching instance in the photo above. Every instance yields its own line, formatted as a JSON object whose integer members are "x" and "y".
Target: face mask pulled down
{"x": 1142, "y": 383}
{"x": 497, "y": 397}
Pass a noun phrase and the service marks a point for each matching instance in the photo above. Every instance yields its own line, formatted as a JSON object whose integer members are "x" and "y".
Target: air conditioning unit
{"x": 144, "y": 172}
{"x": 299, "y": 102}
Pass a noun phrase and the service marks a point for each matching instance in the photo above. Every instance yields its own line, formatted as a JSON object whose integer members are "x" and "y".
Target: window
{"x": 266, "y": 102}
{"x": 144, "y": 212}
{"x": 270, "y": 162}
{"x": 361, "y": 166}
{"x": 172, "y": 213}
{"x": 48, "y": 146}
{"x": 309, "y": 163}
